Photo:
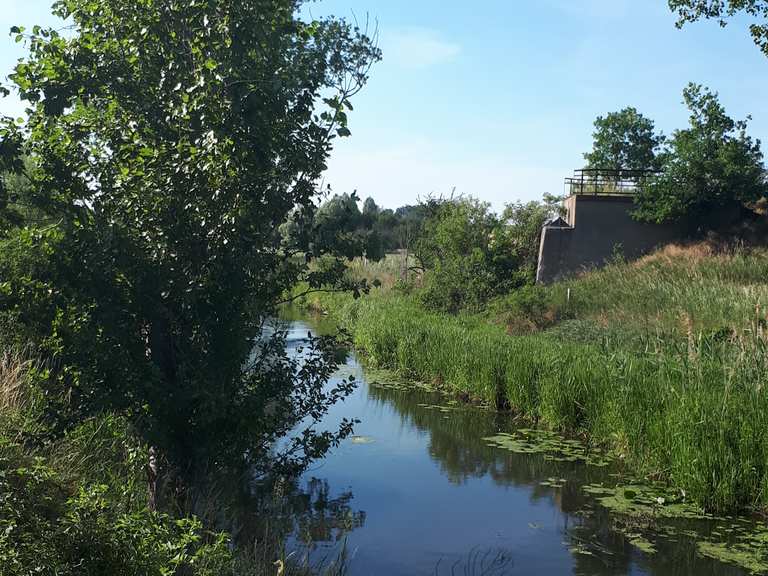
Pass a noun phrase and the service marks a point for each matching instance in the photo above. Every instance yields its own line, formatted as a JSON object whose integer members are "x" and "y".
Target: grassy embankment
{"x": 664, "y": 361}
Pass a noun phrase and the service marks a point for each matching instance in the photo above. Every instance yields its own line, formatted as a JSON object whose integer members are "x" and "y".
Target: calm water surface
{"x": 425, "y": 494}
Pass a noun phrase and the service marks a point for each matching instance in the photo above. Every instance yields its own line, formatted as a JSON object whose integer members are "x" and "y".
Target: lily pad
{"x": 746, "y": 555}
{"x": 553, "y": 447}
{"x": 637, "y": 500}
{"x": 642, "y": 544}
{"x": 362, "y": 440}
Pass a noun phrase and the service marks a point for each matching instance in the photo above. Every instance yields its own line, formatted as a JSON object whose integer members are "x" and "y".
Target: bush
{"x": 471, "y": 255}
{"x": 527, "y": 309}
{"x": 47, "y": 529}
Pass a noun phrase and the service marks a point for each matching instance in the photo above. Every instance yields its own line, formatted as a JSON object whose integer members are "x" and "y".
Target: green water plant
{"x": 687, "y": 404}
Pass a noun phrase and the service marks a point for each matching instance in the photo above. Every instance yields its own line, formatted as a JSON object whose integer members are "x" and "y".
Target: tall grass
{"x": 697, "y": 288}
{"x": 19, "y": 401}
{"x": 392, "y": 269}
{"x": 689, "y": 405}
{"x": 14, "y": 368}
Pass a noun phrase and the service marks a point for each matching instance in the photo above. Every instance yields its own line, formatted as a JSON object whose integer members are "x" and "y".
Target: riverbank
{"x": 662, "y": 361}
{"x": 78, "y": 502}
{"x": 541, "y": 502}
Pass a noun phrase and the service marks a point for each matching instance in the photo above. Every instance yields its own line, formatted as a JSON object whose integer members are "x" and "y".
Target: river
{"x": 424, "y": 493}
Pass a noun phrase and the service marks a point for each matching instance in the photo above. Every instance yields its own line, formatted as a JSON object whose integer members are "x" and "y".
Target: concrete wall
{"x": 598, "y": 226}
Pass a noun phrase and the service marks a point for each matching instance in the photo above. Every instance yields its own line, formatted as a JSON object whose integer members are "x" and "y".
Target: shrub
{"x": 527, "y": 309}
{"x": 46, "y": 529}
{"x": 470, "y": 255}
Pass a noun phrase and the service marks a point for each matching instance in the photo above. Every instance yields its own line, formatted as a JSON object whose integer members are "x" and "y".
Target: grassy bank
{"x": 663, "y": 361}
{"x": 77, "y": 503}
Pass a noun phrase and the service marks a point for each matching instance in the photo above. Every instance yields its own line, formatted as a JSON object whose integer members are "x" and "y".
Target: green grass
{"x": 676, "y": 290}
{"x": 664, "y": 361}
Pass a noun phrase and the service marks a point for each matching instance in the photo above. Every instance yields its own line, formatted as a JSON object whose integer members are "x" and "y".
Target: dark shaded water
{"x": 425, "y": 494}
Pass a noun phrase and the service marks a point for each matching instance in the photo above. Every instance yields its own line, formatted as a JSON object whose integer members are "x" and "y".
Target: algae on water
{"x": 733, "y": 540}
{"x": 749, "y": 551}
{"x": 639, "y": 500}
{"x": 552, "y": 446}
{"x": 642, "y": 543}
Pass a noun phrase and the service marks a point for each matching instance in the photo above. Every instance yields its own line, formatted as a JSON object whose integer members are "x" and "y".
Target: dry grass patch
{"x": 14, "y": 372}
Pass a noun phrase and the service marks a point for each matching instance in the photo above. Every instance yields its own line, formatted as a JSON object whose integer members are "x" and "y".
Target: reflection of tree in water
{"x": 599, "y": 545}
{"x": 478, "y": 562}
{"x": 318, "y": 518}
{"x": 274, "y": 514}
{"x": 602, "y": 546}
{"x": 456, "y": 443}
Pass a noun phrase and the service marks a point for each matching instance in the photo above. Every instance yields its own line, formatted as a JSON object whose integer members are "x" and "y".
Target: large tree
{"x": 624, "y": 140}
{"x": 169, "y": 140}
{"x": 723, "y": 10}
{"x": 710, "y": 170}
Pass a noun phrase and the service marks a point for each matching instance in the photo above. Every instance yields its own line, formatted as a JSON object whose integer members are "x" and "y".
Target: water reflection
{"x": 268, "y": 518}
{"x": 598, "y": 547}
{"x": 434, "y": 498}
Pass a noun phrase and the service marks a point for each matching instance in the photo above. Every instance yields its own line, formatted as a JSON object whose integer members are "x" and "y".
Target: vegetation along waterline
{"x": 167, "y": 187}
{"x": 142, "y": 186}
{"x": 672, "y": 378}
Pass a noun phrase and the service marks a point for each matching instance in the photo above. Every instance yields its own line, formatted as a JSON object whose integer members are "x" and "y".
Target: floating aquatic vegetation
{"x": 382, "y": 378}
{"x": 581, "y": 549}
{"x": 439, "y": 407}
{"x": 553, "y": 482}
{"x": 746, "y": 546}
{"x": 362, "y": 440}
{"x": 641, "y": 543}
{"x": 640, "y": 500}
{"x": 732, "y": 540}
{"x": 553, "y": 447}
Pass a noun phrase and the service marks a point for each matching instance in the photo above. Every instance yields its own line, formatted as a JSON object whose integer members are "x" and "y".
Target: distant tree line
{"x": 464, "y": 252}
{"x": 339, "y": 226}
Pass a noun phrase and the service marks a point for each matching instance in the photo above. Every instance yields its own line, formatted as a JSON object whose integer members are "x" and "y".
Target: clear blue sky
{"x": 497, "y": 97}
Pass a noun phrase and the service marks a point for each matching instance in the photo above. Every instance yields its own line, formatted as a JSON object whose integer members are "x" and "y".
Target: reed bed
{"x": 689, "y": 405}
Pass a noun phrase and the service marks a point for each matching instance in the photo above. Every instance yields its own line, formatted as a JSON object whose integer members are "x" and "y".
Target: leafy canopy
{"x": 710, "y": 169}
{"x": 624, "y": 140}
{"x": 722, "y": 10}
{"x": 339, "y": 227}
{"x": 471, "y": 255}
{"x": 169, "y": 140}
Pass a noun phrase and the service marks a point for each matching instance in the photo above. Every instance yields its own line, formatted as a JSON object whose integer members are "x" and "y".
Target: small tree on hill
{"x": 710, "y": 169}
{"x": 522, "y": 231}
{"x": 624, "y": 140}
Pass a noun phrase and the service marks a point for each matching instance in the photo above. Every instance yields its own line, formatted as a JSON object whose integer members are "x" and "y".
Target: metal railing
{"x": 606, "y": 181}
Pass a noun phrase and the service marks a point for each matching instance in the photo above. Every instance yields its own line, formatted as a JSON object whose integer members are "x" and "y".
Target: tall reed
{"x": 687, "y": 402}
